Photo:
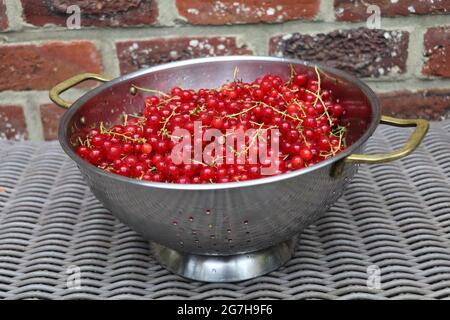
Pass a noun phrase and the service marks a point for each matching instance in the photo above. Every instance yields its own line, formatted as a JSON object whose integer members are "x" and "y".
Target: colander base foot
{"x": 231, "y": 268}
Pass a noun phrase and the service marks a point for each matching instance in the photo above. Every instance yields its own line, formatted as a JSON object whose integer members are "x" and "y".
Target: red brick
{"x": 356, "y": 10}
{"x": 215, "y": 12}
{"x": 432, "y": 104}
{"x": 50, "y": 117}
{"x": 437, "y": 51}
{"x": 12, "y": 123}
{"x": 39, "y": 67}
{"x": 363, "y": 52}
{"x": 134, "y": 55}
{"x": 118, "y": 13}
{"x": 3, "y": 16}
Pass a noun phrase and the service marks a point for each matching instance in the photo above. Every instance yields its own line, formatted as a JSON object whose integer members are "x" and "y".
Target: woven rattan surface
{"x": 394, "y": 217}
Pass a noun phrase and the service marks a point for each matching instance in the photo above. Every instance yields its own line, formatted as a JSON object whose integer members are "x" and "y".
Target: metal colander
{"x": 231, "y": 231}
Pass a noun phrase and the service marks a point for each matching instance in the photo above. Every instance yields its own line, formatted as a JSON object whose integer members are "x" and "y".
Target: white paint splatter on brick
{"x": 193, "y": 43}
{"x": 394, "y": 70}
{"x": 244, "y": 8}
{"x": 219, "y": 8}
{"x": 10, "y": 129}
{"x": 237, "y": 8}
{"x": 134, "y": 46}
{"x": 270, "y": 11}
{"x": 193, "y": 11}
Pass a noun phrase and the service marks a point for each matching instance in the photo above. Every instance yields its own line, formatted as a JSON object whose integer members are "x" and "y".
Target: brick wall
{"x": 406, "y": 60}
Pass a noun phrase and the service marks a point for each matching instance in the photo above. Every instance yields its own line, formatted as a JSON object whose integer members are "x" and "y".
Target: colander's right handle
{"x": 69, "y": 83}
{"x": 413, "y": 142}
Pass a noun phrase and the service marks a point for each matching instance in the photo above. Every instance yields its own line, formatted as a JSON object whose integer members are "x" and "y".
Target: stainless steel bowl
{"x": 231, "y": 231}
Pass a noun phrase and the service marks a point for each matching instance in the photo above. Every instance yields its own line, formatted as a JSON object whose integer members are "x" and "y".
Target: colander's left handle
{"x": 69, "y": 83}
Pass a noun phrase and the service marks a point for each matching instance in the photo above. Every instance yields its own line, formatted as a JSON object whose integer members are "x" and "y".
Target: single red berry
{"x": 127, "y": 148}
{"x": 300, "y": 80}
{"x": 207, "y": 173}
{"x": 296, "y": 162}
{"x": 310, "y": 122}
{"x": 146, "y": 148}
{"x": 82, "y": 151}
{"x": 337, "y": 110}
{"x": 124, "y": 170}
{"x": 306, "y": 154}
{"x": 131, "y": 160}
{"x": 217, "y": 123}
{"x": 95, "y": 156}
{"x": 114, "y": 152}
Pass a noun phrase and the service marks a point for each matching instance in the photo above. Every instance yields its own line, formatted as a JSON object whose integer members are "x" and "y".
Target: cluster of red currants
{"x": 305, "y": 116}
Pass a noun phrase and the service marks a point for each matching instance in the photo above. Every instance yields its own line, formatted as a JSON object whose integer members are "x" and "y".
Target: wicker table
{"x": 392, "y": 225}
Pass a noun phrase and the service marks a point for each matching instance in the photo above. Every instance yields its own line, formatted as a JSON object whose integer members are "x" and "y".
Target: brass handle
{"x": 412, "y": 143}
{"x": 69, "y": 83}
